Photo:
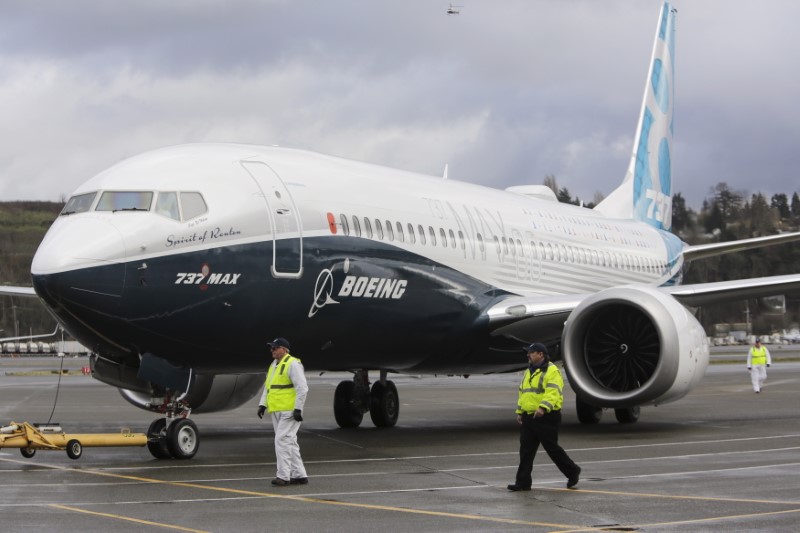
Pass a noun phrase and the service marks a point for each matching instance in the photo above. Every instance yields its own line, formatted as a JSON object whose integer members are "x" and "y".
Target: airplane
{"x": 176, "y": 266}
{"x": 792, "y": 336}
{"x": 453, "y": 10}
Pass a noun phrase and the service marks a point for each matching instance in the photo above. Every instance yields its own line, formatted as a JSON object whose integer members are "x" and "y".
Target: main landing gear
{"x": 174, "y": 435}
{"x": 590, "y": 414}
{"x": 354, "y": 398}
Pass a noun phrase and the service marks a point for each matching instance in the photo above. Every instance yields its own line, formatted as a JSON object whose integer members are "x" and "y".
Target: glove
{"x": 298, "y": 415}
{"x": 261, "y": 411}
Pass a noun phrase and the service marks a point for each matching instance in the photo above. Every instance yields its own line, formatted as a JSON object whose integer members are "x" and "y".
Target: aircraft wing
{"x": 8, "y": 290}
{"x": 701, "y": 251}
{"x": 740, "y": 289}
{"x": 543, "y": 318}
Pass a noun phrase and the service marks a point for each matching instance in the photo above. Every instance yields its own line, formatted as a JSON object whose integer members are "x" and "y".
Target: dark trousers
{"x": 542, "y": 430}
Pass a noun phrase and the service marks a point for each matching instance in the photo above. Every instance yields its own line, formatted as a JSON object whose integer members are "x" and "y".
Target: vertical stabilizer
{"x": 646, "y": 192}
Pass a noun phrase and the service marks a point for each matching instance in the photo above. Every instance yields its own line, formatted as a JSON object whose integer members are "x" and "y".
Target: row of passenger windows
{"x": 502, "y": 246}
{"x": 171, "y": 204}
{"x": 396, "y": 231}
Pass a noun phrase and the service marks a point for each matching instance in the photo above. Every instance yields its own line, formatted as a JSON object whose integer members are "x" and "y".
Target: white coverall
{"x": 758, "y": 373}
{"x": 287, "y": 451}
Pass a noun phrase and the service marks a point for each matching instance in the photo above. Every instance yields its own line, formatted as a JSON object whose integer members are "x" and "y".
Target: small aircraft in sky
{"x": 454, "y": 10}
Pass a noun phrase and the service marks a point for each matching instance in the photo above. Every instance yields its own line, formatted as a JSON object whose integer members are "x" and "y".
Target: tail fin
{"x": 646, "y": 192}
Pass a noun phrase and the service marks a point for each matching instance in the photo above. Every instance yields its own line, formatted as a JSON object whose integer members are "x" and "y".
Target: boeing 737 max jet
{"x": 176, "y": 267}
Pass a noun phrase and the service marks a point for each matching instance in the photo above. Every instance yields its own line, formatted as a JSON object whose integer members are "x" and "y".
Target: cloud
{"x": 506, "y": 93}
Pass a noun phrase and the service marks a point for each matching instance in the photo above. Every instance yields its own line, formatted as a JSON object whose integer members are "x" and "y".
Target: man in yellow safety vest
{"x": 285, "y": 391}
{"x": 758, "y": 359}
{"x": 539, "y": 416}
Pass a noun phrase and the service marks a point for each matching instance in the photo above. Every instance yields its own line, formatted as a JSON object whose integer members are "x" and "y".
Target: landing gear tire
{"x": 627, "y": 415}
{"x": 74, "y": 449}
{"x": 27, "y": 453}
{"x": 345, "y": 412}
{"x": 183, "y": 439}
{"x": 384, "y": 406}
{"x": 157, "y": 439}
{"x": 588, "y": 414}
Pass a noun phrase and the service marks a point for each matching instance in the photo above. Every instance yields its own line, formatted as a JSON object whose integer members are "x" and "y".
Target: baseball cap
{"x": 280, "y": 341}
{"x": 536, "y": 347}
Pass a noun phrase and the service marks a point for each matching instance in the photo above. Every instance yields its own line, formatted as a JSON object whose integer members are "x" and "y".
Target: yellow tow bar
{"x": 29, "y": 438}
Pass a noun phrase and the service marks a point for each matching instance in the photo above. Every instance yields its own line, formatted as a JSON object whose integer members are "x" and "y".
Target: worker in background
{"x": 758, "y": 359}
{"x": 539, "y": 416}
{"x": 284, "y": 395}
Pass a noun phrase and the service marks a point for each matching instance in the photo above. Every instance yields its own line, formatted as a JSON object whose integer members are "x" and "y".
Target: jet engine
{"x": 633, "y": 345}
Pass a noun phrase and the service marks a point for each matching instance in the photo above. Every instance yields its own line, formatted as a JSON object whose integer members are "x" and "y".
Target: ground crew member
{"x": 285, "y": 391}
{"x": 758, "y": 359}
{"x": 539, "y": 417}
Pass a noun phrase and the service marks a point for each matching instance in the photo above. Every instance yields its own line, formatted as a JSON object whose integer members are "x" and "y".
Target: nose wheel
{"x": 180, "y": 439}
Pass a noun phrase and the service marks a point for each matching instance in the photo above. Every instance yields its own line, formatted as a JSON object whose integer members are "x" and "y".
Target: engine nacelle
{"x": 633, "y": 345}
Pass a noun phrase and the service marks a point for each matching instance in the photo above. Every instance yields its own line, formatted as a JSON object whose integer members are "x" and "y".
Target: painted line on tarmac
{"x": 634, "y": 527}
{"x": 124, "y": 518}
{"x": 514, "y": 453}
{"x": 306, "y": 499}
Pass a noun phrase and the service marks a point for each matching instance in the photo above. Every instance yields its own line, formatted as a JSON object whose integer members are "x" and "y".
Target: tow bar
{"x": 29, "y": 438}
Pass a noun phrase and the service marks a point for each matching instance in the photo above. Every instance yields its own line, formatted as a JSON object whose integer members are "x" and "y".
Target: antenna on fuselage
{"x": 444, "y": 176}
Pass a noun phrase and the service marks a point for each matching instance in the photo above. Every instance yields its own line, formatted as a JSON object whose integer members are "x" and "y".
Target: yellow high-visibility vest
{"x": 281, "y": 394}
{"x": 541, "y": 389}
{"x": 758, "y": 356}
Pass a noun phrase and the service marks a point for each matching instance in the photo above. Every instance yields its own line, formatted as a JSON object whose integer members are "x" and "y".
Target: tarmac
{"x": 720, "y": 459}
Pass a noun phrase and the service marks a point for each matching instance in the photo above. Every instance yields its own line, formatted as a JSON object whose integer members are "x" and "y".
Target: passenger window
{"x": 379, "y": 229}
{"x": 400, "y": 236}
{"x": 443, "y": 237}
{"x": 167, "y": 205}
{"x": 389, "y": 231}
{"x": 452, "y": 239}
{"x": 345, "y": 225}
{"x": 356, "y": 226}
{"x": 505, "y": 246}
{"x": 368, "y": 227}
{"x": 497, "y": 246}
{"x": 461, "y": 240}
{"x": 480, "y": 241}
{"x": 192, "y": 205}
{"x": 421, "y": 234}
{"x": 411, "y": 237}
{"x": 124, "y": 201}
{"x": 79, "y": 204}
{"x": 432, "y": 234}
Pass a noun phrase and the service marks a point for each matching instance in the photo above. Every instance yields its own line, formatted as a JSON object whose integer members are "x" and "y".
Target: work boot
{"x": 278, "y": 482}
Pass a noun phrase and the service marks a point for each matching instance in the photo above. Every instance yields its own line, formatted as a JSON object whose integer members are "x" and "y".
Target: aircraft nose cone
{"x": 78, "y": 243}
{"x": 79, "y": 257}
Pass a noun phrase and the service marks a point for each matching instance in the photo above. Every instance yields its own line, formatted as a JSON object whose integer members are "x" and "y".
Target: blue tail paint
{"x": 646, "y": 192}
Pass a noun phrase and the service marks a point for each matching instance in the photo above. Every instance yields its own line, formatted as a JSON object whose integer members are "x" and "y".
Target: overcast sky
{"x": 507, "y": 92}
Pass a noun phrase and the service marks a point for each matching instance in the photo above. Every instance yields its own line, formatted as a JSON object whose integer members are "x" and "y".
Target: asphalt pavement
{"x": 720, "y": 459}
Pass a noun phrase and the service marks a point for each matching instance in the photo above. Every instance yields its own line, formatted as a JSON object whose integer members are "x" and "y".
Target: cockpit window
{"x": 125, "y": 201}
{"x": 167, "y": 205}
{"x": 79, "y": 204}
{"x": 192, "y": 205}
